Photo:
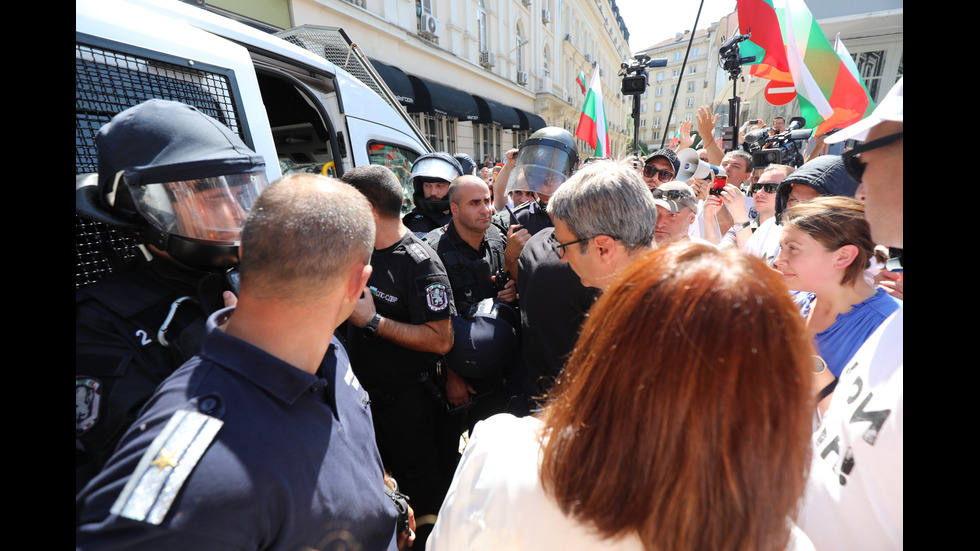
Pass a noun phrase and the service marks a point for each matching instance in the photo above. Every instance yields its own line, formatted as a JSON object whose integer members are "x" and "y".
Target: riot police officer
{"x": 431, "y": 175}
{"x": 181, "y": 183}
{"x": 485, "y": 327}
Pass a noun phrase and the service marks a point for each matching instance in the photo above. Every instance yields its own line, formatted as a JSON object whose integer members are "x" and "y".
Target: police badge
{"x": 435, "y": 296}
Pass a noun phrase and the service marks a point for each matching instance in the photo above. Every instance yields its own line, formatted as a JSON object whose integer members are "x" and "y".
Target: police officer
{"x": 180, "y": 182}
{"x": 396, "y": 336}
{"x": 544, "y": 161}
{"x": 431, "y": 175}
{"x": 263, "y": 440}
{"x": 485, "y": 329}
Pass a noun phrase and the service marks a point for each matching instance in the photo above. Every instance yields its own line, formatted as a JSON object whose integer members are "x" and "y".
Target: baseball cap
{"x": 667, "y": 154}
{"x": 675, "y": 196}
{"x": 890, "y": 109}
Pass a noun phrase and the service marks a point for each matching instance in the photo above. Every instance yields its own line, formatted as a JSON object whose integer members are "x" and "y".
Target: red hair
{"x": 684, "y": 412}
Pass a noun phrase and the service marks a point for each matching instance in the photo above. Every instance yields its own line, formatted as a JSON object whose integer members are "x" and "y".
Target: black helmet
{"x": 465, "y": 161}
{"x": 544, "y": 161}
{"x": 177, "y": 178}
{"x": 433, "y": 166}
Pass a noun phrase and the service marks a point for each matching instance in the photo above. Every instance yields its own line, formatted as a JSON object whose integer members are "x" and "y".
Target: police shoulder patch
{"x": 165, "y": 466}
{"x": 88, "y": 395}
{"x": 435, "y": 297}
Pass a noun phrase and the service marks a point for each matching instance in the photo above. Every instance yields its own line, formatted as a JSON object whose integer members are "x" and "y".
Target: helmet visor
{"x": 540, "y": 168}
{"x": 434, "y": 168}
{"x": 206, "y": 209}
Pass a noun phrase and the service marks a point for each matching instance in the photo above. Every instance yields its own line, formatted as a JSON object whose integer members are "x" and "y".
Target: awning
{"x": 492, "y": 112}
{"x": 397, "y": 81}
{"x": 530, "y": 121}
{"x": 431, "y": 97}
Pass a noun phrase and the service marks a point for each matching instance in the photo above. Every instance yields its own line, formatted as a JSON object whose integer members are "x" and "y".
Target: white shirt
{"x": 854, "y": 496}
{"x": 496, "y": 501}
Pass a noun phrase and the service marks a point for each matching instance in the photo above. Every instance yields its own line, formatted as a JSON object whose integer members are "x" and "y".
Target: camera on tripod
{"x": 635, "y": 76}
{"x": 783, "y": 148}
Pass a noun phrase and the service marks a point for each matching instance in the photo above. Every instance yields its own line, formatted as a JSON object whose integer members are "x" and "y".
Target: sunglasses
{"x": 650, "y": 171}
{"x": 671, "y": 194}
{"x": 768, "y": 188}
{"x": 852, "y": 160}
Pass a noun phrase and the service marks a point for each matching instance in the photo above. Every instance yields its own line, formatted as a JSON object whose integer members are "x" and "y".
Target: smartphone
{"x": 719, "y": 184}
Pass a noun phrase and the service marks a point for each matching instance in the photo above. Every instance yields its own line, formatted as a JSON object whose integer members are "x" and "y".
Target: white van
{"x": 290, "y": 104}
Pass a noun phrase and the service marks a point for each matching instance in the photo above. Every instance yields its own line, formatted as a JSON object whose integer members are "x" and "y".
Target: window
{"x": 399, "y": 160}
{"x": 660, "y": 76}
{"x": 657, "y": 106}
{"x": 677, "y": 73}
{"x": 870, "y": 65}
{"x": 643, "y": 123}
{"x": 481, "y": 23}
{"x": 694, "y": 51}
{"x": 677, "y": 56}
{"x": 643, "y": 108}
{"x": 656, "y": 121}
{"x": 520, "y": 51}
{"x": 645, "y": 94}
{"x": 694, "y": 69}
{"x": 660, "y": 91}
{"x": 690, "y": 86}
{"x": 690, "y": 102}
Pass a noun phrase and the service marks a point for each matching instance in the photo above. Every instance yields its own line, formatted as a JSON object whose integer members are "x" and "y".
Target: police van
{"x": 306, "y": 99}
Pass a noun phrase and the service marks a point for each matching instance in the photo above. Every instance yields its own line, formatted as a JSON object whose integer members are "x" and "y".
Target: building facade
{"x": 479, "y": 76}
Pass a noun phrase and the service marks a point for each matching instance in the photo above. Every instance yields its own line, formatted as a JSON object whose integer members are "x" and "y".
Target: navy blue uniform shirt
{"x": 262, "y": 456}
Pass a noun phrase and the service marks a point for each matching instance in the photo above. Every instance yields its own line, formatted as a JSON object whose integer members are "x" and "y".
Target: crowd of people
{"x": 680, "y": 351}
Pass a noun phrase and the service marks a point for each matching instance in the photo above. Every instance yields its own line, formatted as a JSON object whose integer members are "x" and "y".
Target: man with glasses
{"x": 604, "y": 218}
{"x": 676, "y": 209}
{"x": 854, "y": 496}
{"x": 661, "y": 167}
{"x": 760, "y": 235}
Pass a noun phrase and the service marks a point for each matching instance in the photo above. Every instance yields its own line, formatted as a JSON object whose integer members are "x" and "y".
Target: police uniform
{"x": 240, "y": 450}
{"x": 119, "y": 358}
{"x": 530, "y": 215}
{"x": 420, "y": 222}
{"x": 409, "y": 285}
{"x": 470, "y": 271}
{"x": 554, "y": 304}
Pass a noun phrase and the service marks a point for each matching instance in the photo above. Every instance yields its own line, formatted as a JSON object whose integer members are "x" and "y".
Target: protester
{"x": 855, "y": 491}
{"x": 264, "y": 439}
{"x": 699, "y": 441}
{"x": 604, "y": 218}
{"x": 825, "y": 249}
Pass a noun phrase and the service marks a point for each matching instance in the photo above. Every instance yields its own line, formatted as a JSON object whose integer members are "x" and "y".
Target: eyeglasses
{"x": 649, "y": 171}
{"x": 768, "y": 188}
{"x": 852, "y": 161}
{"x": 561, "y": 246}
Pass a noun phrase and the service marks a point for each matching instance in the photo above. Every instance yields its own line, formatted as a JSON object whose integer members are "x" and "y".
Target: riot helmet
{"x": 177, "y": 178}
{"x": 544, "y": 162}
{"x": 466, "y": 162}
{"x": 433, "y": 167}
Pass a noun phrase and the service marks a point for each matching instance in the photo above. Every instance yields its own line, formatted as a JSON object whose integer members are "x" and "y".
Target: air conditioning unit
{"x": 545, "y": 16}
{"x": 488, "y": 59}
{"x": 522, "y": 77}
{"x": 588, "y": 58}
{"x": 430, "y": 26}
{"x": 526, "y": 3}
{"x": 568, "y": 37}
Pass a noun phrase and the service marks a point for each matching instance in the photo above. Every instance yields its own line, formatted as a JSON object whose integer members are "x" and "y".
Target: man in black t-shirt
{"x": 396, "y": 336}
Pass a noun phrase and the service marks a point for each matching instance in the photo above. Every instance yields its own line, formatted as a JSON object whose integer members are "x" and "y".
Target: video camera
{"x": 635, "y": 76}
{"x": 783, "y": 148}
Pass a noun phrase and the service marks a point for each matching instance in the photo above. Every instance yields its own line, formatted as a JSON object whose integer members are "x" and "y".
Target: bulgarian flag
{"x": 792, "y": 51}
{"x": 592, "y": 125}
{"x": 581, "y": 81}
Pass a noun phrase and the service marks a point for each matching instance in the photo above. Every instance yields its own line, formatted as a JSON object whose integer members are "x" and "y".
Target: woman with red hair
{"x": 682, "y": 421}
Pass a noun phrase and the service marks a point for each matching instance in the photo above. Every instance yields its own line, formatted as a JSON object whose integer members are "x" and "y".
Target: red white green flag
{"x": 792, "y": 51}
{"x": 592, "y": 125}
{"x": 581, "y": 81}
